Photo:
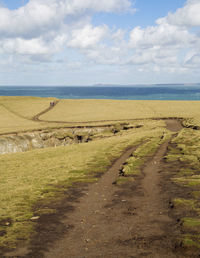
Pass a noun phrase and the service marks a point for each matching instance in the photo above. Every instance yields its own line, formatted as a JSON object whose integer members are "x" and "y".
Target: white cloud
{"x": 118, "y": 35}
{"x": 28, "y": 21}
{"x": 39, "y": 16}
{"x": 161, "y": 35}
{"x": 170, "y": 44}
{"x": 189, "y": 15}
{"x": 35, "y": 46}
{"x": 105, "y": 55}
{"x": 155, "y": 55}
{"x": 76, "y": 6}
{"x": 192, "y": 59}
{"x": 22, "y": 46}
{"x": 87, "y": 36}
{"x": 49, "y": 30}
{"x": 44, "y": 27}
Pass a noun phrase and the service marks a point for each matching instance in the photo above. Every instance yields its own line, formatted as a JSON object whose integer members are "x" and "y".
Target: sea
{"x": 135, "y": 92}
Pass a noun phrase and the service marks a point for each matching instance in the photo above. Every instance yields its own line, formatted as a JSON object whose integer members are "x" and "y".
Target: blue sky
{"x": 148, "y": 11}
{"x": 73, "y": 42}
{"x": 13, "y": 4}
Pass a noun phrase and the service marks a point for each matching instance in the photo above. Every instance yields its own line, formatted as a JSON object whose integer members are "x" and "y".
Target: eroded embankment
{"x": 25, "y": 141}
{"x": 21, "y": 142}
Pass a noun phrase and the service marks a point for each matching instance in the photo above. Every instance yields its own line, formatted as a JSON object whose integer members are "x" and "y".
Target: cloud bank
{"x": 55, "y": 31}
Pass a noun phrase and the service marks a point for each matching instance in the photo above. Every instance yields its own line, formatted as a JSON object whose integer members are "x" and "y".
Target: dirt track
{"x": 109, "y": 221}
{"x": 37, "y": 117}
{"x": 128, "y": 221}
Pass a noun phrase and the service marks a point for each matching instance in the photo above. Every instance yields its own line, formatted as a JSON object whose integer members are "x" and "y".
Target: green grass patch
{"x": 191, "y": 241}
{"x": 191, "y": 222}
{"x": 185, "y": 172}
{"x": 185, "y": 152}
{"x": 188, "y": 181}
{"x": 189, "y": 204}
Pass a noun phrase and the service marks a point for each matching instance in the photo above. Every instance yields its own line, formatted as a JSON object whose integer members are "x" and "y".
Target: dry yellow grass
{"x": 97, "y": 110}
{"x": 100, "y": 110}
{"x": 10, "y": 122}
{"x": 25, "y": 107}
{"x": 16, "y": 113}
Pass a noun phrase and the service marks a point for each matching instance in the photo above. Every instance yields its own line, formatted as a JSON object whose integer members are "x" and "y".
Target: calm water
{"x": 166, "y": 92}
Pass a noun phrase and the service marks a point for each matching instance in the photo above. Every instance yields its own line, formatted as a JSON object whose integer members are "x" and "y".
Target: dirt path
{"x": 129, "y": 221}
{"x": 37, "y": 117}
{"x": 113, "y": 221}
{"x": 173, "y": 125}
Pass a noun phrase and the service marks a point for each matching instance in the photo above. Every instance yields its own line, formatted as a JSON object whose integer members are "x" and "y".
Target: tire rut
{"x": 111, "y": 221}
{"x": 130, "y": 221}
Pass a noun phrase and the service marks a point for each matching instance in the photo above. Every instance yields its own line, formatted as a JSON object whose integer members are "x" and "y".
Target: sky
{"x": 88, "y": 42}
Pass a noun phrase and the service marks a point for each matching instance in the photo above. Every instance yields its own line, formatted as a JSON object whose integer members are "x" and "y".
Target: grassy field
{"x": 36, "y": 176}
{"x": 25, "y": 107}
{"x": 11, "y": 122}
{"x": 100, "y": 110}
{"x": 16, "y": 113}
{"x": 42, "y": 176}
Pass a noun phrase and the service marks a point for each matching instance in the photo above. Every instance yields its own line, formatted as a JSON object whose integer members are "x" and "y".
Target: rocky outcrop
{"x": 37, "y": 140}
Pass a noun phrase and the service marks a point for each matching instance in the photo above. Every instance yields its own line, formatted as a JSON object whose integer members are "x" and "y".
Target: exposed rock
{"x": 35, "y": 218}
{"x": 21, "y": 142}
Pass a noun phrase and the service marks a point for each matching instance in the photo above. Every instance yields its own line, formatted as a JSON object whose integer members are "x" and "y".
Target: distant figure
{"x": 52, "y": 104}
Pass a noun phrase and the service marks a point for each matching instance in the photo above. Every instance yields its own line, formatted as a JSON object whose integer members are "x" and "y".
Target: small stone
{"x": 35, "y": 218}
{"x": 7, "y": 223}
{"x": 171, "y": 205}
{"x": 123, "y": 200}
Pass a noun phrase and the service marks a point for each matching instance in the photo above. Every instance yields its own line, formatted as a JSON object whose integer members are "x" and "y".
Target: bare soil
{"x": 131, "y": 221}
{"x": 106, "y": 220}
